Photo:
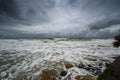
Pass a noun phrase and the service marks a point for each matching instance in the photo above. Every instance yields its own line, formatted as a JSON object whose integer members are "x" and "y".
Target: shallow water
{"x": 22, "y": 59}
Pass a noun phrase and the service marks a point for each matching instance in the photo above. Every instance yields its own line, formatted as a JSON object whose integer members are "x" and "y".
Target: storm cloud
{"x": 58, "y": 18}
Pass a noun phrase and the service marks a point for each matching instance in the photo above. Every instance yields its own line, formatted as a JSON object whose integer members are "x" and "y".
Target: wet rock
{"x": 68, "y": 77}
{"x": 112, "y": 72}
{"x": 97, "y": 72}
{"x": 105, "y": 73}
{"x": 63, "y": 73}
{"x": 45, "y": 41}
{"x": 81, "y": 66}
{"x": 90, "y": 58}
{"x": 100, "y": 64}
{"x": 87, "y": 68}
{"x": 86, "y": 77}
{"x": 112, "y": 77}
{"x": 78, "y": 77}
{"x": 48, "y": 75}
{"x": 117, "y": 37}
{"x": 94, "y": 70}
{"x": 116, "y": 44}
{"x": 89, "y": 65}
{"x": 107, "y": 64}
{"x": 68, "y": 65}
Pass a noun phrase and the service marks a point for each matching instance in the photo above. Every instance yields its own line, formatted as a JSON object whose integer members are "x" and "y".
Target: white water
{"x": 27, "y": 58}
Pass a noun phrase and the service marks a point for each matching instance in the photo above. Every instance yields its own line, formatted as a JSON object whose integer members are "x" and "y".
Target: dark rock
{"x": 111, "y": 77}
{"x": 112, "y": 72}
{"x": 81, "y": 66}
{"x": 107, "y": 64}
{"x": 100, "y": 64}
{"x": 48, "y": 75}
{"x": 68, "y": 77}
{"x": 117, "y": 37}
{"x": 87, "y": 68}
{"x": 45, "y": 41}
{"x": 68, "y": 65}
{"x": 116, "y": 44}
{"x": 86, "y": 77}
{"x": 63, "y": 73}
{"x": 89, "y": 65}
{"x": 78, "y": 77}
{"x": 90, "y": 58}
{"x": 98, "y": 72}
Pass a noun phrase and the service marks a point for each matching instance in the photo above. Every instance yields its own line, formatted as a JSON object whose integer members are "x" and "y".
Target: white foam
{"x": 38, "y": 53}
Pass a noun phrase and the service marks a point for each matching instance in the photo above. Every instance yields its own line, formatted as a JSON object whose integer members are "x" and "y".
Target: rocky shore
{"x": 53, "y": 74}
{"x": 112, "y": 72}
{"x": 66, "y": 60}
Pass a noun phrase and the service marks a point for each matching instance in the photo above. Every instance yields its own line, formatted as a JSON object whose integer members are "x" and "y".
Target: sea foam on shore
{"x": 24, "y": 59}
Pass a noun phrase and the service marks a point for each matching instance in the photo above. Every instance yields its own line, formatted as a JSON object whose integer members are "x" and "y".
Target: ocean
{"x": 24, "y": 59}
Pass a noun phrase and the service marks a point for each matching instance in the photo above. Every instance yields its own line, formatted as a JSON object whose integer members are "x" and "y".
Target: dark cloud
{"x": 9, "y": 8}
{"x": 57, "y": 18}
{"x": 104, "y": 24}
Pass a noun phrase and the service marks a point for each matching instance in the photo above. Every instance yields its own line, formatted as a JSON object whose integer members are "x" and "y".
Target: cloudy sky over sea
{"x": 59, "y": 18}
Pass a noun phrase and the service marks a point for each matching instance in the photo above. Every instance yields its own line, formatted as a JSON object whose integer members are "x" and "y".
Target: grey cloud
{"x": 58, "y": 18}
{"x": 9, "y": 8}
{"x": 104, "y": 24}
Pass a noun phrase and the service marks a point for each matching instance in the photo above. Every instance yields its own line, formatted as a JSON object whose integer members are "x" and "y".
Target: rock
{"x": 86, "y": 77}
{"x": 45, "y": 41}
{"x": 117, "y": 37}
{"x": 63, "y": 73}
{"x": 116, "y": 44}
{"x": 107, "y": 64}
{"x": 100, "y": 64}
{"x": 112, "y": 72}
{"x": 68, "y": 77}
{"x": 112, "y": 78}
{"x": 89, "y": 65}
{"x": 68, "y": 65}
{"x": 93, "y": 70}
{"x": 81, "y": 66}
{"x": 98, "y": 72}
{"x": 87, "y": 68}
{"x": 48, "y": 75}
{"x": 78, "y": 77}
{"x": 90, "y": 58}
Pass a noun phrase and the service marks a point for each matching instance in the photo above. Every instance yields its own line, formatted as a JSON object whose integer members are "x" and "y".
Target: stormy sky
{"x": 59, "y": 18}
